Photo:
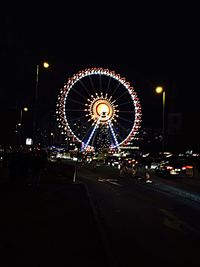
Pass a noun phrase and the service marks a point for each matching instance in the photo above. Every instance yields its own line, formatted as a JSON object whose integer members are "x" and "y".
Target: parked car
{"x": 175, "y": 167}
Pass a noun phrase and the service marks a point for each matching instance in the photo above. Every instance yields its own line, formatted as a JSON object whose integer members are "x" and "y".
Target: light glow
{"x": 159, "y": 89}
{"x": 103, "y": 108}
{"x": 46, "y": 65}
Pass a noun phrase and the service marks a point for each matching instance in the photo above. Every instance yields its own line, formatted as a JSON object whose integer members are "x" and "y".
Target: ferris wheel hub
{"x": 101, "y": 109}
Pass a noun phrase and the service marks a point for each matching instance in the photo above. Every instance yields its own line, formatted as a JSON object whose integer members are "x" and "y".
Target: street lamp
{"x": 24, "y": 109}
{"x": 160, "y": 90}
{"x": 44, "y": 65}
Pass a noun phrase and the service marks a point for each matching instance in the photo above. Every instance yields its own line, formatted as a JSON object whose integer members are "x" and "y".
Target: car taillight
{"x": 189, "y": 167}
{"x": 169, "y": 167}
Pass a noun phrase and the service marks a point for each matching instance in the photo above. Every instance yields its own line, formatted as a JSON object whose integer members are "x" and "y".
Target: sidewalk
{"x": 54, "y": 225}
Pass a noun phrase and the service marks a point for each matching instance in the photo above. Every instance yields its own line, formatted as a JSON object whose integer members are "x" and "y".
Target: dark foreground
{"x": 120, "y": 222}
{"x": 54, "y": 225}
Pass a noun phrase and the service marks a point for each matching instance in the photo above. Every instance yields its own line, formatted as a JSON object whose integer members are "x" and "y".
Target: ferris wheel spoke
{"x": 77, "y": 118}
{"x": 121, "y": 118}
{"x": 126, "y": 111}
{"x": 100, "y": 83}
{"x": 126, "y": 92}
{"x": 116, "y": 89}
{"x": 121, "y": 138}
{"x": 108, "y": 85}
{"x": 79, "y": 132}
{"x": 77, "y": 92}
{"x": 72, "y": 109}
{"x": 84, "y": 86}
{"x": 87, "y": 132}
{"x": 86, "y": 123}
{"x": 121, "y": 128}
{"x": 76, "y": 101}
{"x": 89, "y": 128}
{"x": 124, "y": 129}
{"x": 92, "y": 84}
{"x": 125, "y": 103}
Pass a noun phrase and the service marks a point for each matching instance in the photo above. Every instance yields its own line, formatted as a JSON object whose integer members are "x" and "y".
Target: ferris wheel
{"x": 99, "y": 108}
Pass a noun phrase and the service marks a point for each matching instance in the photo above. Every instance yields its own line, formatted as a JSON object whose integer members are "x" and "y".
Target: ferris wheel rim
{"x": 98, "y": 71}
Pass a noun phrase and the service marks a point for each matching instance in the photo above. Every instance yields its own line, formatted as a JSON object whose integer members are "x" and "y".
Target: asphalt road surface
{"x": 144, "y": 223}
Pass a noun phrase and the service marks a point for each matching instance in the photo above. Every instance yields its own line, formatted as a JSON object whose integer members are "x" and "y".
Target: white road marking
{"x": 115, "y": 183}
{"x": 171, "y": 221}
{"x": 111, "y": 181}
{"x": 101, "y": 180}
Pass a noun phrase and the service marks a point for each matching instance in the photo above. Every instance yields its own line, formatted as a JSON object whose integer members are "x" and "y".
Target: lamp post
{"x": 20, "y": 123}
{"x": 160, "y": 90}
{"x": 21, "y": 113}
{"x": 45, "y": 65}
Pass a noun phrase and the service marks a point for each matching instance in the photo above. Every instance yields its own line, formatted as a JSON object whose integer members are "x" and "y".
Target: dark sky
{"x": 148, "y": 43}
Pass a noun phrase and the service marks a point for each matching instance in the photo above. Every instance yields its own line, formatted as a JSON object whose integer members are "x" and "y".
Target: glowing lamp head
{"x": 46, "y": 65}
{"x": 159, "y": 89}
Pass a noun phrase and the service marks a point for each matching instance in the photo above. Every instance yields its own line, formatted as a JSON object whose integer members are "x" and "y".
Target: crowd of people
{"x": 25, "y": 166}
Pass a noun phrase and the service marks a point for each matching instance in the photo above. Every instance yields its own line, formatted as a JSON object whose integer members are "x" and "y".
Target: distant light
{"x": 159, "y": 89}
{"x": 29, "y": 141}
{"x": 45, "y": 65}
{"x": 25, "y": 109}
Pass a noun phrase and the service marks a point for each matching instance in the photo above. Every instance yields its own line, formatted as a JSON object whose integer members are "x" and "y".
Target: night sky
{"x": 150, "y": 44}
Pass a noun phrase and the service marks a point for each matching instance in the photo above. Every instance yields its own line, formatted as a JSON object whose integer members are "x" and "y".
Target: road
{"x": 144, "y": 223}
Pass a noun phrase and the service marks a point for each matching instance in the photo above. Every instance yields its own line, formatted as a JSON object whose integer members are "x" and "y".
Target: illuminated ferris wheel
{"x": 99, "y": 109}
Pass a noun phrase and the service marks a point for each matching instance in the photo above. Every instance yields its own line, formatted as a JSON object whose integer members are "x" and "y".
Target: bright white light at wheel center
{"x": 102, "y": 108}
